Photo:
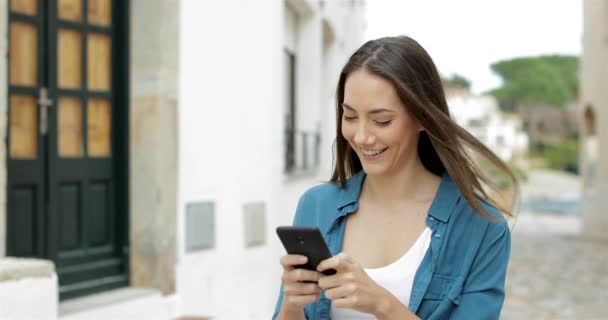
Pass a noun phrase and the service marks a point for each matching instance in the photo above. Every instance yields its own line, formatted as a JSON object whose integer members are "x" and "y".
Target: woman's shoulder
{"x": 330, "y": 192}
{"x": 471, "y": 222}
{"x": 323, "y": 193}
{"x": 321, "y": 204}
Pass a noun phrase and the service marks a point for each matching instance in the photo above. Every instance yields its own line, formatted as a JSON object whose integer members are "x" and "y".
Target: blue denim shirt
{"x": 462, "y": 275}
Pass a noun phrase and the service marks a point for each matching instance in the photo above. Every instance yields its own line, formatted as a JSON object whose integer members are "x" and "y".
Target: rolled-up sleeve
{"x": 300, "y": 209}
{"x": 483, "y": 291}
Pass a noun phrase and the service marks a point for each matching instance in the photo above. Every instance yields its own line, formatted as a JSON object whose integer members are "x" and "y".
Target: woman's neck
{"x": 413, "y": 183}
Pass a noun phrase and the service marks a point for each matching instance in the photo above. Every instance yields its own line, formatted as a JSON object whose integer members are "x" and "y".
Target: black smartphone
{"x": 306, "y": 241}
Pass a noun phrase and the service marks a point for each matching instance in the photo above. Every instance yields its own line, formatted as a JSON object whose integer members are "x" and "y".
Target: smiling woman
{"x": 378, "y": 127}
{"x": 408, "y": 212}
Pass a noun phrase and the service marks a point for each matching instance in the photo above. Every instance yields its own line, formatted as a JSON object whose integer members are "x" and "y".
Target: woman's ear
{"x": 420, "y": 127}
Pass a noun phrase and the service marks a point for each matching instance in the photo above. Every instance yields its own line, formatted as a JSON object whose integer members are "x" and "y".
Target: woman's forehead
{"x": 364, "y": 90}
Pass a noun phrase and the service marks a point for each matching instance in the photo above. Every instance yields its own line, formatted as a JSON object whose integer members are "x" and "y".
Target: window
{"x": 301, "y": 112}
{"x": 290, "y": 111}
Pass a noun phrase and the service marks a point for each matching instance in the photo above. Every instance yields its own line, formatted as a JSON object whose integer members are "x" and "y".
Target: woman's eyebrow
{"x": 373, "y": 111}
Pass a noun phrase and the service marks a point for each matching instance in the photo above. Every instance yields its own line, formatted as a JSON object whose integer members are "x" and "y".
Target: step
{"x": 125, "y": 303}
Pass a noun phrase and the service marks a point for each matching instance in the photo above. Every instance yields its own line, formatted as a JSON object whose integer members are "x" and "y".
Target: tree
{"x": 457, "y": 81}
{"x": 550, "y": 80}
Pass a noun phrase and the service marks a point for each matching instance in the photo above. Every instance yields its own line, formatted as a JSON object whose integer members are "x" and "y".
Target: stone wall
{"x": 594, "y": 71}
{"x": 153, "y": 142}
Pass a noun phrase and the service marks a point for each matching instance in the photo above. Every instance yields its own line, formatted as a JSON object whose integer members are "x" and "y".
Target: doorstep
{"x": 123, "y": 303}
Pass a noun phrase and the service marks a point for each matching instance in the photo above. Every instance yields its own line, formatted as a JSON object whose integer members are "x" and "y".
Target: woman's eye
{"x": 346, "y": 118}
{"x": 384, "y": 123}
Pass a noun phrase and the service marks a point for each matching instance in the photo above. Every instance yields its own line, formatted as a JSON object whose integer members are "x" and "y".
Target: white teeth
{"x": 372, "y": 152}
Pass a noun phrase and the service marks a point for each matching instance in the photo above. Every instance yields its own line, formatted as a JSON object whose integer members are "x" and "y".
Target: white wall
{"x": 231, "y": 130}
{"x": 230, "y": 105}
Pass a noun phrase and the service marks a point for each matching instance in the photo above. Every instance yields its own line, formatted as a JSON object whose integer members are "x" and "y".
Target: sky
{"x": 467, "y": 36}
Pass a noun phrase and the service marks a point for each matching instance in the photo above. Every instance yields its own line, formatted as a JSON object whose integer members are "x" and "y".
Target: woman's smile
{"x": 372, "y": 154}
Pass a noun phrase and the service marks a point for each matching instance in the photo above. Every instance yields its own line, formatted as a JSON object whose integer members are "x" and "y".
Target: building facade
{"x": 480, "y": 115}
{"x": 593, "y": 113}
{"x": 156, "y": 144}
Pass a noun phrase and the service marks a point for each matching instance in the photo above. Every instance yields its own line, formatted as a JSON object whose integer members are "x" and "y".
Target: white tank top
{"x": 397, "y": 278}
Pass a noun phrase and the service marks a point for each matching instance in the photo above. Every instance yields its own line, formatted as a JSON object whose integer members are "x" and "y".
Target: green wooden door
{"x": 67, "y": 143}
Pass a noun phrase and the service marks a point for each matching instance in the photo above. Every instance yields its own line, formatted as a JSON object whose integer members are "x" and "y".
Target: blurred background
{"x": 150, "y": 147}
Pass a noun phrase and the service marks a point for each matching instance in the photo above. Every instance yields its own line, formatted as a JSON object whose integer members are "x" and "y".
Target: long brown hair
{"x": 443, "y": 145}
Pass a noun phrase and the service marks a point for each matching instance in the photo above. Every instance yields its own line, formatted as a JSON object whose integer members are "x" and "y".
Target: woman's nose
{"x": 363, "y": 136}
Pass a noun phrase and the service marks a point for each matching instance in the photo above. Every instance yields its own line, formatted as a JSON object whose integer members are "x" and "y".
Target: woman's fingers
{"x": 301, "y": 300}
{"x": 300, "y": 275}
{"x": 336, "y": 280}
{"x": 299, "y": 288}
{"x": 341, "y": 262}
{"x": 299, "y": 285}
{"x": 289, "y": 261}
{"x": 340, "y": 291}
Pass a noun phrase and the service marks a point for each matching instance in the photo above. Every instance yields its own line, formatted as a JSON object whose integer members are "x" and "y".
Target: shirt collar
{"x": 441, "y": 207}
{"x": 350, "y": 193}
{"x": 445, "y": 199}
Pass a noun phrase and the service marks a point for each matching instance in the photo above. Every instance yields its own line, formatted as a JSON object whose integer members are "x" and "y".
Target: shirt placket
{"x": 427, "y": 268}
{"x": 334, "y": 234}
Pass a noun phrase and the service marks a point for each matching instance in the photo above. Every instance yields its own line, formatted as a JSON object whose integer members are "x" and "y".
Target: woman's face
{"x": 376, "y": 124}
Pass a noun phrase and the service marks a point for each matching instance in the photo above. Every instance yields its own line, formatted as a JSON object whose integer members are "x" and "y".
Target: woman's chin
{"x": 374, "y": 170}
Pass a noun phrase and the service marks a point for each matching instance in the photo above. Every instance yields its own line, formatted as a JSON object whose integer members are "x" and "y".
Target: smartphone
{"x": 306, "y": 241}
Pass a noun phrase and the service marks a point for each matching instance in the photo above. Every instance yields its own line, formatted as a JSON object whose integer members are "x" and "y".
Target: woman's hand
{"x": 299, "y": 285}
{"x": 352, "y": 288}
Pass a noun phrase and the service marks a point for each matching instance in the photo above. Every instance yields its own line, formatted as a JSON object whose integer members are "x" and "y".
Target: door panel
{"x": 25, "y": 158}
{"x": 64, "y": 144}
{"x": 24, "y": 49}
{"x": 69, "y": 125}
{"x": 69, "y": 206}
{"x": 24, "y": 202}
{"x": 99, "y": 215}
{"x": 23, "y": 127}
{"x": 69, "y": 60}
{"x": 99, "y": 118}
{"x": 100, "y": 12}
{"x": 28, "y": 7}
{"x": 70, "y": 10}
{"x": 98, "y": 57}
{"x": 81, "y": 163}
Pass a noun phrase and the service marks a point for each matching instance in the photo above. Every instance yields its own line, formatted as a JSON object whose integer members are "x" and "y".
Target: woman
{"x": 407, "y": 206}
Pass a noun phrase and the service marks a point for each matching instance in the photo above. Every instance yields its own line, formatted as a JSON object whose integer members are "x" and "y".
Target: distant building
{"x": 151, "y": 146}
{"x": 593, "y": 115}
{"x": 481, "y": 116}
{"x": 547, "y": 124}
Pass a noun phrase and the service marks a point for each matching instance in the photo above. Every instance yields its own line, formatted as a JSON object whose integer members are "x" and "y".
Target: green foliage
{"x": 550, "y": 80}
{"x": 457, "y": 81}
{"x": 560, "y": 156}
{"x": 503, "y": 181}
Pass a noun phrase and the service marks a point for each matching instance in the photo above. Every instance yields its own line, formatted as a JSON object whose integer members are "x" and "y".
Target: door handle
{"x": 44, "y": 103}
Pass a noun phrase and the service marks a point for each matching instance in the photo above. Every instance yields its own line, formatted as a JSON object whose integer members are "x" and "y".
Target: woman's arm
{"x": 296, "y": 289}
{"x": 287, "y": 314}
{"x": 483, "y": 292}
{"x": 390, "y": 308}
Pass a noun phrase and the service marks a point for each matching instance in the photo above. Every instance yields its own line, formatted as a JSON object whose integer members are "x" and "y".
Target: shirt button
{"x": 432, "y": 219}
{"x": 437, "y": 235}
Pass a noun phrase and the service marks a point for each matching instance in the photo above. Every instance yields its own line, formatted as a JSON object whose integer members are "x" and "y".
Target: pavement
{"x": 555, "y": 271}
